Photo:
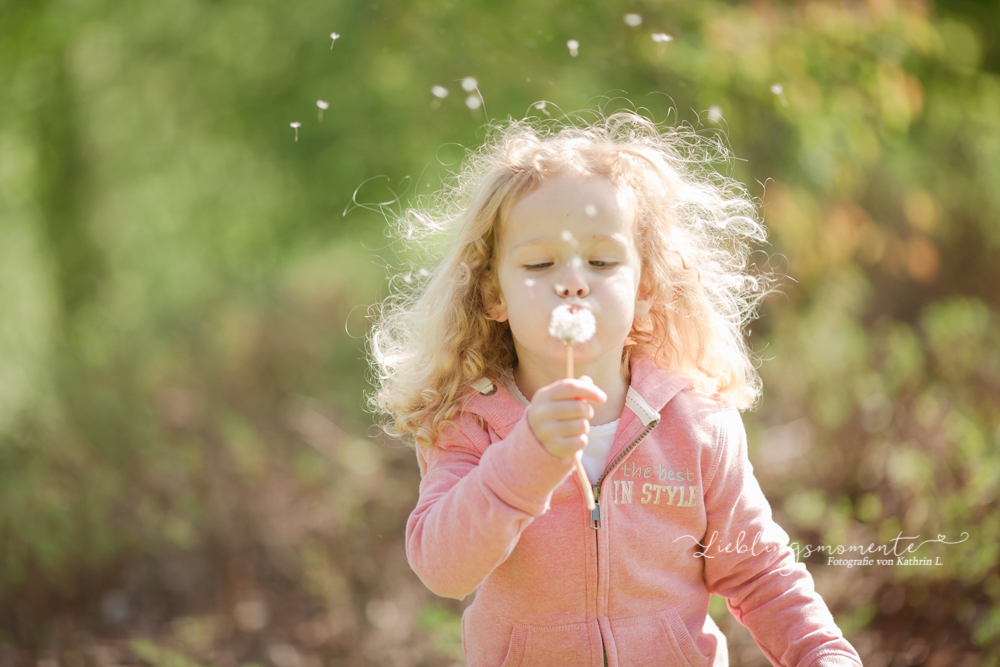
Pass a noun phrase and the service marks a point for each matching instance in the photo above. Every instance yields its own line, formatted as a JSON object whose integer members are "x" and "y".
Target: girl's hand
{"x": 560, "y": 415}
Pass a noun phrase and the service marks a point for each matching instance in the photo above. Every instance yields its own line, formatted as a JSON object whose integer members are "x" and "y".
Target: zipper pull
{"x": 595, "y": 514}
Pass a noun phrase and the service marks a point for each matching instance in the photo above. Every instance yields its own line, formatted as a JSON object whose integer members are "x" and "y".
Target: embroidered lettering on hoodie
{"x": 630, "y": 469}
{"x": 679, "y": 496}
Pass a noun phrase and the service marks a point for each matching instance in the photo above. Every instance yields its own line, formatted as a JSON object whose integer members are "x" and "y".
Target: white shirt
{"x": 599, "y": 438}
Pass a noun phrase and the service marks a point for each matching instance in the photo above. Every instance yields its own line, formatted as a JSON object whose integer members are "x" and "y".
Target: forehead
{"x": 585, "y": 206}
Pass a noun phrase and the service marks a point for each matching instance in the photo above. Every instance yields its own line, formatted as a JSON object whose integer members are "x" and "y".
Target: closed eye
{"x": 538, "y": 266}
{"x": 603, "y": 263}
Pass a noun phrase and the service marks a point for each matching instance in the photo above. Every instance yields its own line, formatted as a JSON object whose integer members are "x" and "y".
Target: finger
{"x": 566, "y": 447}
{"x": 546, "y": 411}
{"x": 574, "y": 389}
{"x": 570, "y": 408}
{"x": 571, "y": 428}
{"x": 554, "y": 429}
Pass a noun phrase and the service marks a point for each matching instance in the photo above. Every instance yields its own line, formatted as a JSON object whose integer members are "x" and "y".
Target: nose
{"x": 573, "y": 282}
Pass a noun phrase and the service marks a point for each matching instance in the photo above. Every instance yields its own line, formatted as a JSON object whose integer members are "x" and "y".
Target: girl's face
{"x": 569, "y": 241}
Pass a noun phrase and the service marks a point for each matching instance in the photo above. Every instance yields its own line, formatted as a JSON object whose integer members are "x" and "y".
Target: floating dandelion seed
{"x": 295, "y": 126}
{"x": 567, "y": 236}
{"x": 714, "y": 114}
{"x": 590, "y": 210}
{"x": 473, "y": 102}
{"x": 633, "y": 20}
{"x": 439, "y": 92}
{"x": 574, "y": 47}
{"x": 541, "y": 107}
{"x": 529, "y": 282}
{"x": 334, "y": 36}
{"x": 662, "y": 37}
{"x": 779, "y": 91}
{"x": 323, "y": 106}
{"x": 469, "y": 84}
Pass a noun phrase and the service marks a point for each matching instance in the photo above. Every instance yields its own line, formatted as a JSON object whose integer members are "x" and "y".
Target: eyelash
{"x": 596, "y": 263}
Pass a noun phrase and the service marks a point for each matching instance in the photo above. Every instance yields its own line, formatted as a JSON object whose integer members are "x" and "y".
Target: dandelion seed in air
{"x": 567, "y": 237}
{"x": 469, "y": 84}
{"x": 714, "y": 114}
{"x": 473, "y": 102}
{"x": 295, "y": 126}
{"x": 660, "y": 37}
{"x": 541, "y": 107}
{"x": 323, "y": 106}
{"x": 633, "y": 20}
{"x": 590, "y": 210}
{"x": 574, "y": 47}
{"x": 779, "y": 90}
{"x": 439, "y": 92}
{"x": 334, "y": 36}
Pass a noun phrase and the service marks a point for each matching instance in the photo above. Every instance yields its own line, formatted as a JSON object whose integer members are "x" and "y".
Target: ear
{"x": 496, "y": 306}
{"x": 499, "y": 310}
{"x": 644, "y": 299}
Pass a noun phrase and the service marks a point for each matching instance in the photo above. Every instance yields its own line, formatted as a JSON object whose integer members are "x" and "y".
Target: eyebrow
{"x": 549, "y": 240}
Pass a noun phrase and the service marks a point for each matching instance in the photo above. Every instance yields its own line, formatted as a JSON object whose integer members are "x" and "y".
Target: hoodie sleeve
{"x": 766, "y": 589}
{"x": 476, "y": 498}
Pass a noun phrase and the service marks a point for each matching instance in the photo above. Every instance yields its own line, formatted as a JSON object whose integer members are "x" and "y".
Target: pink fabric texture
{"x": 681, "y": 517}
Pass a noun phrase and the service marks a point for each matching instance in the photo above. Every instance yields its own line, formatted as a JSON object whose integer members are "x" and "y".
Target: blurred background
{"x": 188, "y": 475}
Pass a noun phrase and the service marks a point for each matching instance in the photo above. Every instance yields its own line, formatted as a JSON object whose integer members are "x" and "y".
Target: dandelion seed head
{"x": 540, "y": 106}
{"x": 572, "y": 324}
{"x": 323, "y": 104}
{"x": 574, "y": 47}
{"x": 633, "y": 20}
{"x": 439, "y": 92}
{"x": 295, "y": 125}
{"x": 714, "y": 114}
{"x": 334, "y": 36}
{"x": 662, "y": 37}
{"x": 473, "y": 102}
{"x": 777, "y": 89}
{"x": 590, "y": 210}
{"x": 469, "y": 84}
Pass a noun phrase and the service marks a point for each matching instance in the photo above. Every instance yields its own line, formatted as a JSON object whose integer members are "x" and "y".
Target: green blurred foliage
{"x": 183, "y": 286}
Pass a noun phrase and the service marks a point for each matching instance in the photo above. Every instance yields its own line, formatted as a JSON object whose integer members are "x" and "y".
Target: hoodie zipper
{"x": 595, "y": 514}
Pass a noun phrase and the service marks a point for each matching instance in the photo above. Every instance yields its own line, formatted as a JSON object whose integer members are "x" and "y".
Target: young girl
{"x": 629, "y": 222}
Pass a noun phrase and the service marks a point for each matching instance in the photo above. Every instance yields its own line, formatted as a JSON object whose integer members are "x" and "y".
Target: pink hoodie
{"x": 680, "y": 516}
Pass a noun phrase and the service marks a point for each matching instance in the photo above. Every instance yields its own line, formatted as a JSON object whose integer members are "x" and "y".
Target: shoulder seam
{"x": 719, "y": 444}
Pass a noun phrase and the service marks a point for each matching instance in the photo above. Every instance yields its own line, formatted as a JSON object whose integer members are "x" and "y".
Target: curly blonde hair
{"x": 432, "y": 338}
